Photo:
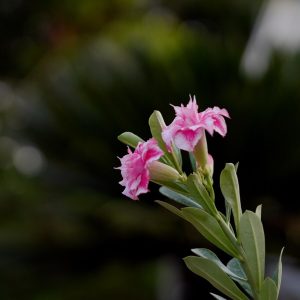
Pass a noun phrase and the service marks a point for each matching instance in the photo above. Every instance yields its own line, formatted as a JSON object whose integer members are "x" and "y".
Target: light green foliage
{"x": 269, "y": 290}
{"x": 278, "y": 273}
{"x": 200, "y": 194}
{"x": 215, "y": 275}
{"x": 253, "y": 242}
{"x": 209, "y": 228}
{"x": 208, "y": 254}
{"x": 170, "y": 207}
{"x": 247, "y": 267}
{"x": 235, "y": 267}
{"x": 178, "y": 197}
{"x": 258, "y": 210}
{"x": 231, "y": 192}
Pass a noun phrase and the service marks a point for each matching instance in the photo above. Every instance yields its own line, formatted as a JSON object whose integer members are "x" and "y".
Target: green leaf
{"x": 208, "y": 254}
{"x": 218, "y": 278}
{"x": 209, "y": 228}
{"x": 170, "y": 208}
{"x": 258, "y": 210}
{"x": 130, "y": 139}
{"x": 253, "y": 242}
{"x": 236, "y": 166}
{"x": 199, "y": 194}
{"x": 269, "y": 290}
{"x": 231, "y": 192}
{"x": 235, "y": 267}
{"x": 218, "y": 297}
{"x": 178, "y": 197}
{"x": 278, "y": 273}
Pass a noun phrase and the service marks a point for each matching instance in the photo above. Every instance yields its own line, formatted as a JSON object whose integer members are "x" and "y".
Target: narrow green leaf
{"x": 258, "y": 210}
{"x": 231, "y": 192}
{"x": 178, "y": 197}
{"x": 278, "y": 273}
{"x": 269, "y": 290}
{"x": 245, "y": 285}
{"x": 236, "y": 166}
{"x": 199, "y": 194}
{"x": 253, "y": 242}
{"x": 175, "y": 186}
{"x": 218, "y": 297}
{"x": 218, "y": 278}
{"x": 209, "y": 228}
{"x": 235, "y": 267}
{"x": 208, "y": 254}
{"x": 130, "y": 139}
{"x": 170, "y": 208}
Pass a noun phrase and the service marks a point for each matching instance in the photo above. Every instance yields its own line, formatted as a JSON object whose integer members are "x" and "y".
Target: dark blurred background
{"x": 75, "y": 74}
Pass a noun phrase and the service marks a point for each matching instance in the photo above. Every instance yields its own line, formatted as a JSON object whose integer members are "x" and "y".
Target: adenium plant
{"x": 237, "y": 233}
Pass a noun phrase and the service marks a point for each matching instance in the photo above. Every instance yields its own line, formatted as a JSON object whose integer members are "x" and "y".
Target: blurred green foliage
{"x": 74, "y": 75}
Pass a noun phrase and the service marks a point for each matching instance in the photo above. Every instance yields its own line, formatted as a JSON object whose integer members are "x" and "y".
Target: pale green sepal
{"x": 218, "y": 297}
{"x": 178, "y": 197}
{"x": 278, "y": 273}
{"x": 258, "y": 210}
{"x": 157, "y": 124}
{"x": 253, "y": 242}
{"x": 193, "y": 161}
{"x": 269, "y": 290}
{"x": 208, "y": 254}
{"x": 170, "y": 208}
{"x": 209, "y": 228}
{"x": 130, "y": 139}
{"x": 228, "y": 212}
{"x": 230, "y": 189}
{"x": 200, "y": 194}
{"x": 218, "y": 278}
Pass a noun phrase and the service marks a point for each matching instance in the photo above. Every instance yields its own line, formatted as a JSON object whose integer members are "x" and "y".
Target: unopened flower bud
{"x": 162, "y": 173}
{"x": 210, "y": 165}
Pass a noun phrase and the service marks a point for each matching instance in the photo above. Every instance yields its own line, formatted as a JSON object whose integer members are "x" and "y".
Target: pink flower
{"x": 186, "y": 129}
{"x": 213, "y": 120}
{"x": 188, "y": 126}
{"x": 135, "y": 168}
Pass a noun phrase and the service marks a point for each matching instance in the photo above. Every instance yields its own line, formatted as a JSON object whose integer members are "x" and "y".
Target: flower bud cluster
{"x": 148, "y": 162}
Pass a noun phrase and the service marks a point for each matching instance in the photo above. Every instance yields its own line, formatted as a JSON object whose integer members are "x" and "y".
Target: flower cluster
{"x": 185, "y": 133}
